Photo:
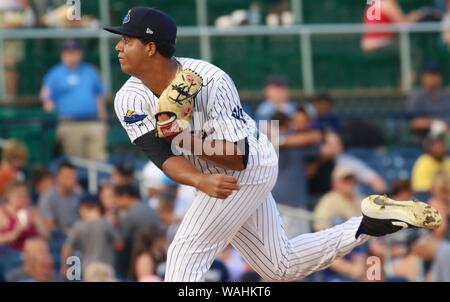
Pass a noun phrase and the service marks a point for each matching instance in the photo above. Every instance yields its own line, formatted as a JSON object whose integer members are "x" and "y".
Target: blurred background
{"x": 360, "y": 89}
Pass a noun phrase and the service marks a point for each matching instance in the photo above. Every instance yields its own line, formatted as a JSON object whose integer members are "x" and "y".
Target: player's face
{"x": 131, "y": 53}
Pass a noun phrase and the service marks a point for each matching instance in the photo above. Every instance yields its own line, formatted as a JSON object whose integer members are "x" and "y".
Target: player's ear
{"x": 150, "y": 48}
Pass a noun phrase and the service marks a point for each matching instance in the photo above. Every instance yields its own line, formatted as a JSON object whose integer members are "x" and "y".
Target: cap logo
{"x": 149, "y": 31}
{"x": 126, "y": 19}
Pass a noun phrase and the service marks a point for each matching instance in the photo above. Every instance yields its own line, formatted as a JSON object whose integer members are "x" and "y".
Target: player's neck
{"x": 160, "y": 74}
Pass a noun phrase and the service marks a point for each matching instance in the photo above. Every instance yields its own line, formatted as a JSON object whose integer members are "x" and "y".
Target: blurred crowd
{"x": 118, "y": 234}
{"x": 121, "y": 231}
{"x": 317, "y": 174}
{"x": 17, "y": 14}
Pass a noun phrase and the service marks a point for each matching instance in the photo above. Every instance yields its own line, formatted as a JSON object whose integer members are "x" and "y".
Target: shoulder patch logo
{"x": 131, "y": 117}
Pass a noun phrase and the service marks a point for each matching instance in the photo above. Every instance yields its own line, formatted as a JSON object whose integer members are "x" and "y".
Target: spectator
{"x": 218, "y": 272}
{"x": 279, "y": 13}
{"x": 342, "y": 202}
{"x": 136, "y": 216}
{"x": 239, "y": 17}
{"x": 59, "y": 206}
{"x": 429, "y": 164}
{"x": 154, "y": 182}
{"x": 57, "y": 16}
{"x": 335, "y": 207}
{"x": 123, "y": 174}
{"x": 407, "y": 265}
{"x": 363, "y": 173}
{"x": 390, "y": 13}
{"x": 185, "y": 198}
{"x": 14, "y": 157}
{"x": 403, "y": 264}
{"x": 429, "y": 107}
{"x": 37, "y": 263}
{"x": 291, "y": 188}
{"x": 149, "y": 250}
{"x": 99, "y": 272}
{"x": 13, "y": 14}
{"x": 94, "y": 237}
{"x": 42, "y": 181}
{"x": 234, "y": 263}
{"x": 277, "y": 98}
{"x": 107, "y": 204}
{"x": 446, "y": 24}
{"x": 303, "y": 134}
{"x": 430, "y": 248}
{"x": 324, "y": 118}
{"x": 402, "y": 190}
{"x": 73, "y": 90}
{"x": 166, "y": 208}
{"x": 19, "y": 220}
{"x": 319, "y": 165}
{"x": 440, "y": 200}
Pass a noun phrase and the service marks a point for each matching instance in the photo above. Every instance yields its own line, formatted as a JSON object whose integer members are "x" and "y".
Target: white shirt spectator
{"x": 153, "y": 178}
{"x": 185, "y": 197}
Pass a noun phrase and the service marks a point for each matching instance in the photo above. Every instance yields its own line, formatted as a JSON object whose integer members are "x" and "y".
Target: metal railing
{"x": 93, "y": 169}
{"x": 204, "y": 33}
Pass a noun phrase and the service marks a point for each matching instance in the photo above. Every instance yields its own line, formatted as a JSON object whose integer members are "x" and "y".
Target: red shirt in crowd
{"x": 8, "y": 223}
{"x": 371, "y": 39}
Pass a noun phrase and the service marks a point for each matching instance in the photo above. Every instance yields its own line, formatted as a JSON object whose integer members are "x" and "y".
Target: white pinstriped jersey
{"x": 217, "y": 112}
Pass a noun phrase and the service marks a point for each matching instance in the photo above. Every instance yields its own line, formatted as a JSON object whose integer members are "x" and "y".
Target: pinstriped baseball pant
{"x": 249, "y": 220}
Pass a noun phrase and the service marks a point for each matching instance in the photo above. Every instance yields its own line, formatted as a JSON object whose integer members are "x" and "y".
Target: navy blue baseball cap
{"x": 71, "y": 44}
{"x": 148, "y": 24}
{"x": 433, "y": 67}
{"x": 89, "y": 199}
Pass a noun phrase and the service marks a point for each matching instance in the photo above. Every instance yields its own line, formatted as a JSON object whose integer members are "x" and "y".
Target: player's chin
{"x": 125, "y": 67}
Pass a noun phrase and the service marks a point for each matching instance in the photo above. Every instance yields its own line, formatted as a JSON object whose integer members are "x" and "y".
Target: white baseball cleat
{"x": 383, "y": 215}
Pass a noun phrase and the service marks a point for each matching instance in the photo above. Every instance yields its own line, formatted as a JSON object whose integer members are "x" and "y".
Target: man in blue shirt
{"x": 291, "y": 188}
{"x": 428, "y": 108}
{"x": 277, "y": 99}
{"x": 73, "y": 89}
